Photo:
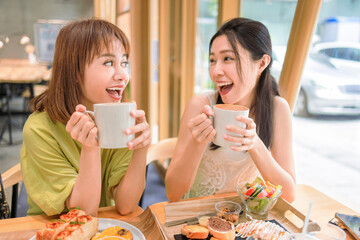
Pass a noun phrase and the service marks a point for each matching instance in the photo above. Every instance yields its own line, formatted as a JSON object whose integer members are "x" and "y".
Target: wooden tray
{"x": 282, "y": 212}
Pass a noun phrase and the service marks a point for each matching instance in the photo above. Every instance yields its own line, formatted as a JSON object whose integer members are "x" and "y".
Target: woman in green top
{"x": 61, "y": 161}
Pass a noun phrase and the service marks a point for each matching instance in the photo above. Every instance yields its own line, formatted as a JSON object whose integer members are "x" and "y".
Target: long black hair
{"x": 255, "y": 38}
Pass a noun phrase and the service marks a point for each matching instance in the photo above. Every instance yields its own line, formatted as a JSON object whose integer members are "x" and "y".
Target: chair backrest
{"x": 12, "y": 176}
{"x": 162, "y": 150}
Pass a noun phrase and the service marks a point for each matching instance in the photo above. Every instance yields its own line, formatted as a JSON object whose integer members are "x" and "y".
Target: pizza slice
{"x": 83, "y": 229}
{"x": 54, "y": 227}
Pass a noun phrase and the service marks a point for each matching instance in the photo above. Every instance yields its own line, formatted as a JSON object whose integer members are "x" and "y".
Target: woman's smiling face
{"x": 234, "y": 89}
{"x": 106, "y": 77}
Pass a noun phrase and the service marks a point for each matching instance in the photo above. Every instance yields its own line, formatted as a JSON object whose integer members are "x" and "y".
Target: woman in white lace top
{"x": 240, "y": 61}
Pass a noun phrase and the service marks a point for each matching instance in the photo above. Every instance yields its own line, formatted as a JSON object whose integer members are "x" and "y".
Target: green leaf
{"x": 74, "y": 208}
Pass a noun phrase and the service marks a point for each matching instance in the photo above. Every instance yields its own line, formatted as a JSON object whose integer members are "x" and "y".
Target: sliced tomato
{"x": 271, "y": 193}
{"x": 249, "y": 191}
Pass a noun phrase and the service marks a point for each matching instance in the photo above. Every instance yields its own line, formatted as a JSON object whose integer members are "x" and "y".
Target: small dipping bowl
{"x": 203, "y": 217}
{"x": 228, "y": 211}
{"x": 329, "y": 232}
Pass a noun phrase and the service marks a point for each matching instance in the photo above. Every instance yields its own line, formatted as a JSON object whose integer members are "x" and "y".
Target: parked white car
{"x": 325, "y": 89}
{"x": 344, "y": 55}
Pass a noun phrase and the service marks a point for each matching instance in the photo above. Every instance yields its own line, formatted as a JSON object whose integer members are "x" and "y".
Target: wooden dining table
{"x": 151, "y": 221}
{"x": 26, "y": 227}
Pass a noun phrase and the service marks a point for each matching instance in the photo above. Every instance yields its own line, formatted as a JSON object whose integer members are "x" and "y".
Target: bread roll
{"x": 195, "y": 232}
{"x": 221, "y": 229}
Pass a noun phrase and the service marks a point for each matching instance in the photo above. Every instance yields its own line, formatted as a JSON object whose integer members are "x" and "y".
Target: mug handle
{"x": 91, "y": 114}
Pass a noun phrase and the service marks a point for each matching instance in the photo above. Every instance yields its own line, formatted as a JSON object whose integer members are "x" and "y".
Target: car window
{"x": 342, "y": 53}
{"x": 352, "y": 54}
{"x": 331, "y": 52}
{"x": 321, "y": 58}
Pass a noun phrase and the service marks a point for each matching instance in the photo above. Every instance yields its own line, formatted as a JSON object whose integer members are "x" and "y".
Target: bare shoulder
{"x": 281, "y": 105}
{"x": 282, "y": 112}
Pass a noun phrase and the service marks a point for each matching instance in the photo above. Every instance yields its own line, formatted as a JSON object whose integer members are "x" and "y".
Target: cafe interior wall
{"x": 17, "y": 18}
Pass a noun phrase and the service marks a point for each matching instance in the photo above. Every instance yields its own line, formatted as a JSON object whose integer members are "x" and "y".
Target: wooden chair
{"x": 13, "y": 177}
{"x": 161, "y": 151}
{"x": 159, "y": 154}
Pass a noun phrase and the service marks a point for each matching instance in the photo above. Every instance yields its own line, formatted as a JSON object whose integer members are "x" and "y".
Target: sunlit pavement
{"x": 327, "y": 156}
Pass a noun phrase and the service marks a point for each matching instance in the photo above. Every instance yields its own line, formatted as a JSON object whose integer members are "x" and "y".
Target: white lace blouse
{"x": 221, "y": 169}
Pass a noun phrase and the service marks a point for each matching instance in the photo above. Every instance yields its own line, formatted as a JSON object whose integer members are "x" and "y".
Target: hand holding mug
{"x": 112, "y": 119}
{"x": 246, "y": 137}
{"x": 233, "y": 127}
{"x": 201, "y": 126}
{"x": 141, "y": 131}
{"x": 82, "y": 127}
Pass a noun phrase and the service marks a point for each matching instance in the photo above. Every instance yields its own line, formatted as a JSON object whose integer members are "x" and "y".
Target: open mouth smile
{"x": 225, "y": 87}
{"x": 115, "y": 92}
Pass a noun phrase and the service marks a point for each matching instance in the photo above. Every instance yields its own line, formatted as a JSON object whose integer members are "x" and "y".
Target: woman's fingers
{"x": 85, "y": 130}
{"x": 141, "y": 141}
{"x": 240, "y": 148}
{"x": 81, "y": 127}
{"x": 248, "y": 121}
{"x": 137, "y": 128}
{"x": 238, "y": 130}
{"x": 141, "y": 131}
{"x": 76, "y": 129}
{"x": 199, "y": 129}
{"x": 208, "y": 134}
{"x": 207, "y": 110}
{"x": 80, "y": 108}
{"x": 74, "y": 119}
{"x": 197, "y": 120}
{"x": 139, "y": 115}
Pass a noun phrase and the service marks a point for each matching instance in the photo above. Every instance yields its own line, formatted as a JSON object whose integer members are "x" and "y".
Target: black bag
{"x": 4, "y": 206}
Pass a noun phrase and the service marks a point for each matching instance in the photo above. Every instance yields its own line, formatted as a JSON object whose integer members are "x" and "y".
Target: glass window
{"x": 322, "y": 162}
{"x": 206, "y": 24}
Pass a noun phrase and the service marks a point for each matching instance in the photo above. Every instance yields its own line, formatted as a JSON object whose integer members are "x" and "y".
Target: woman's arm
{"x": 128, "y": 192}
{"x": 196, "y": 131}
{"x": 276, "y": 166}
{"x": 86, "y": 192}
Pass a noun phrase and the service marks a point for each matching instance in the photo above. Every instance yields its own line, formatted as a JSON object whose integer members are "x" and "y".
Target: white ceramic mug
{"x": 112, "y": 119}
{"x": 225, "y": 114}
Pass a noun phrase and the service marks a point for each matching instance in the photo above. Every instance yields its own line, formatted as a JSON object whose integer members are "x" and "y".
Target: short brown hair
{"x": 76, "y": 46}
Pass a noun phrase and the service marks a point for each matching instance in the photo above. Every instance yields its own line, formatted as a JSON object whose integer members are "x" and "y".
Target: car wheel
{"x": 301, "y": 108}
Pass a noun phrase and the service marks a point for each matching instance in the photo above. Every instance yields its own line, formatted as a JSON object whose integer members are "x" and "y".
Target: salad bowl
{"x": 258, "y": 197}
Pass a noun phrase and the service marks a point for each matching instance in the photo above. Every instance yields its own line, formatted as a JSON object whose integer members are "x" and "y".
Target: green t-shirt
{"x": 50, "y": 165}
